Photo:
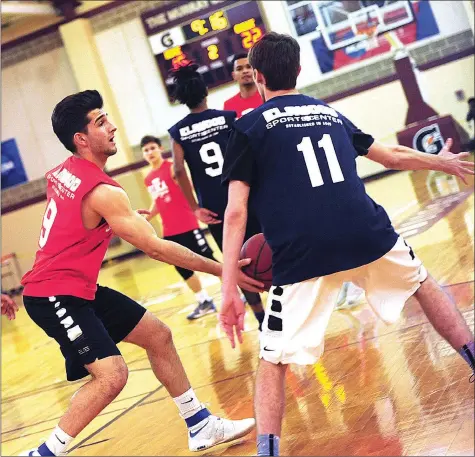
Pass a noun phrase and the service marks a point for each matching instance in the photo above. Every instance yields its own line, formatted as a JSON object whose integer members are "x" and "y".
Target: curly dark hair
{"x": 190, "y": 88}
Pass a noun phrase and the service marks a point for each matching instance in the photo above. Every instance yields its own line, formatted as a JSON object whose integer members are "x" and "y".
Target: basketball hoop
{"x": 369, "y": 33}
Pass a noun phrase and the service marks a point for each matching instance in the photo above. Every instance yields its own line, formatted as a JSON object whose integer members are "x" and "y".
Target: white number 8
{"x": 211, "y": 154}
{"x": 48, "y": 219}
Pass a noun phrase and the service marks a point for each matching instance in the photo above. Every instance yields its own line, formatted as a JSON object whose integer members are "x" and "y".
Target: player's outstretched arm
{"x": 403, "y": 158}
{"x": 203, "y": 214}
{"x": 112, "y": 203}
{"x": 235, "y": 219}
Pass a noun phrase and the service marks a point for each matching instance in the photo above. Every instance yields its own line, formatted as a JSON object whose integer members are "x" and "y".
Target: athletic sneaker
{"x": 207, "y": 307}
{"x": 216, "y": 431}
{"x": 349, "y": 296}
{"x": 41, "y": 450}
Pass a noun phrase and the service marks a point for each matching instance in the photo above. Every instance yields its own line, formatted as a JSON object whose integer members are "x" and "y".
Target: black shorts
{"x": 86, "y": 330}
{"x": 195, "y": 241}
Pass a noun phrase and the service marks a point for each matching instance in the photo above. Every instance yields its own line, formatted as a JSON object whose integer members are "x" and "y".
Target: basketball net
{"x": 369, "y": 33}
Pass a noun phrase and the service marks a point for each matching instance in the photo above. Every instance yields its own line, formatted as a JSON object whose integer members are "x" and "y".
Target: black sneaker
{"x": 207, "y": 307}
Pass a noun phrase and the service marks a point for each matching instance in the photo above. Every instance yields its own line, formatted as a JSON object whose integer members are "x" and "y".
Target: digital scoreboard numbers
{"x": 209, "y": 33}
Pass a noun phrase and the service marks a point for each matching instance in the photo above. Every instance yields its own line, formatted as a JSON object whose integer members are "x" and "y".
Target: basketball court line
{"x": 431, "y": 213}
{"x": 398, "y": 330}
{"x": 142, "y": 401}
{"x": 49, "y": 428}
{"x": 57, "y": 418}
{"x": 241, "y": 375}
{"x": 92, "y": 444}
{"x": 254, "y": 330}
{"x": 100, "y": 429}
{"x": 66, "y": 383}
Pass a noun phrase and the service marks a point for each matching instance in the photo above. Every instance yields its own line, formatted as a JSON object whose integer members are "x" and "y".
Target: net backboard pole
{"x": 418, "y": 109}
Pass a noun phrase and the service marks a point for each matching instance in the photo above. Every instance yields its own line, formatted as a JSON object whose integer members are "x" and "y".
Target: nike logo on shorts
{"x": 266, "y": 349}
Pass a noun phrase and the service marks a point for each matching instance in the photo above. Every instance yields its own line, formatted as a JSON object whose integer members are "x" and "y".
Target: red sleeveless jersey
{"x": 241, "y": 105}
{"x": 69, "y": 256}
{"x": 172, "y": 205}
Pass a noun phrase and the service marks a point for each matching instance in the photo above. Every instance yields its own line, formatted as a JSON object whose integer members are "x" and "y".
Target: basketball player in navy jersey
{"x": 294, "y": 158}
{"x": 200, "y": 140}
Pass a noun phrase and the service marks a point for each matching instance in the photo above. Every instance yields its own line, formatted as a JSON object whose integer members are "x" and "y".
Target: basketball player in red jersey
{"x": 85, "y": 206}
{"x": 179, "y": 224}
{"x": 248, "y": 96}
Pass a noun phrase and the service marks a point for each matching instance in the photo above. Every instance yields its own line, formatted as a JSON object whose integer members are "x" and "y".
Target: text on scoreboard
{"x": 209, "y": 33}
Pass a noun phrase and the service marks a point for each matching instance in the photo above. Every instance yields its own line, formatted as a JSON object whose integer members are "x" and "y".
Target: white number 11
{"x": 310, "y": 158}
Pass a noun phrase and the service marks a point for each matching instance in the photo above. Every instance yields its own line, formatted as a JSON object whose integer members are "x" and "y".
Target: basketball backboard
{"x": 343, "y": 23}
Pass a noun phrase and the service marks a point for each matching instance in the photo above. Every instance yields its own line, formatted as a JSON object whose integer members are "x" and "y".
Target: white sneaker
{"x": 216, "y": 431}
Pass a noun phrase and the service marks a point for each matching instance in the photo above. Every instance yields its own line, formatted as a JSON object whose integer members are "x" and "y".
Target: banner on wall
{"x": 13, "y": 172}
{"x": 422, "y": 25}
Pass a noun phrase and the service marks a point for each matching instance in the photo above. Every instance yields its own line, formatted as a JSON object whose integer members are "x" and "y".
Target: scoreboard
{"x": 209, "y": 33}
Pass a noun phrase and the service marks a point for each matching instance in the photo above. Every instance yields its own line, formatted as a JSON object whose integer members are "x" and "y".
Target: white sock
{"x": 188, "y": 404}
{"x": 202, "y": 296}
{"x": 58, "y": 441}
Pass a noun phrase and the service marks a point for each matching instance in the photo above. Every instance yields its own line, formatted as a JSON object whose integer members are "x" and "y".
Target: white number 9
{"x": 48, "y": 219}
{"x": 211, "y": 154}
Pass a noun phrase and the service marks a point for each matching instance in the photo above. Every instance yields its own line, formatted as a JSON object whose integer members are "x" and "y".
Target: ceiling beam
{"x": 27, "y": 8}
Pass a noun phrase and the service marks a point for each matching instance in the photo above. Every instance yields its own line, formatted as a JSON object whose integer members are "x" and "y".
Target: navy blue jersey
{"x": 203, "y": 137}
{"x": 298, "y": 155}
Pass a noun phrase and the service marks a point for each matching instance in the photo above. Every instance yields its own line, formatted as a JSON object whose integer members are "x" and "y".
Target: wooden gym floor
{"x": 378, "y": 390}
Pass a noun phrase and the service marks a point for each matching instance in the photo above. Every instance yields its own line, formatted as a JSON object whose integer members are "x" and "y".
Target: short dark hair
{"x": 190, "y": 88}
{"x": 149, "y": 139}
{"x": 277, "y": 57}
{"x": 70, "y": 115}
{"x": 241, "y": 55}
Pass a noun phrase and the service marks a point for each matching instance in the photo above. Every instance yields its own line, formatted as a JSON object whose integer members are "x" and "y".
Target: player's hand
{"x": 9, "y": 307}
{"x": 246, "y": 282}
{"x": 144, "y": 212}
{"x": 207, "y": 216}
{"x": 453, "y": 164}
{"x": 231, "y": 316}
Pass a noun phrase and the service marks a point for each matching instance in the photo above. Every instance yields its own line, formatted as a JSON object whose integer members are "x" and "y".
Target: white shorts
{"x": 297, "y": 315}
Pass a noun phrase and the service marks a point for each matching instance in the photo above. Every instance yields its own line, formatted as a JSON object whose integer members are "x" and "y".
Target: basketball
{"x": 260, "y": 268}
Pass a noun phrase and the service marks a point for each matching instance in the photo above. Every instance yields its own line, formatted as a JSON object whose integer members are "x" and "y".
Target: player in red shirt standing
{"x": 85, "y": 206}
{"x": 248, "y": 97}
{"x": 178, "y": 221}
